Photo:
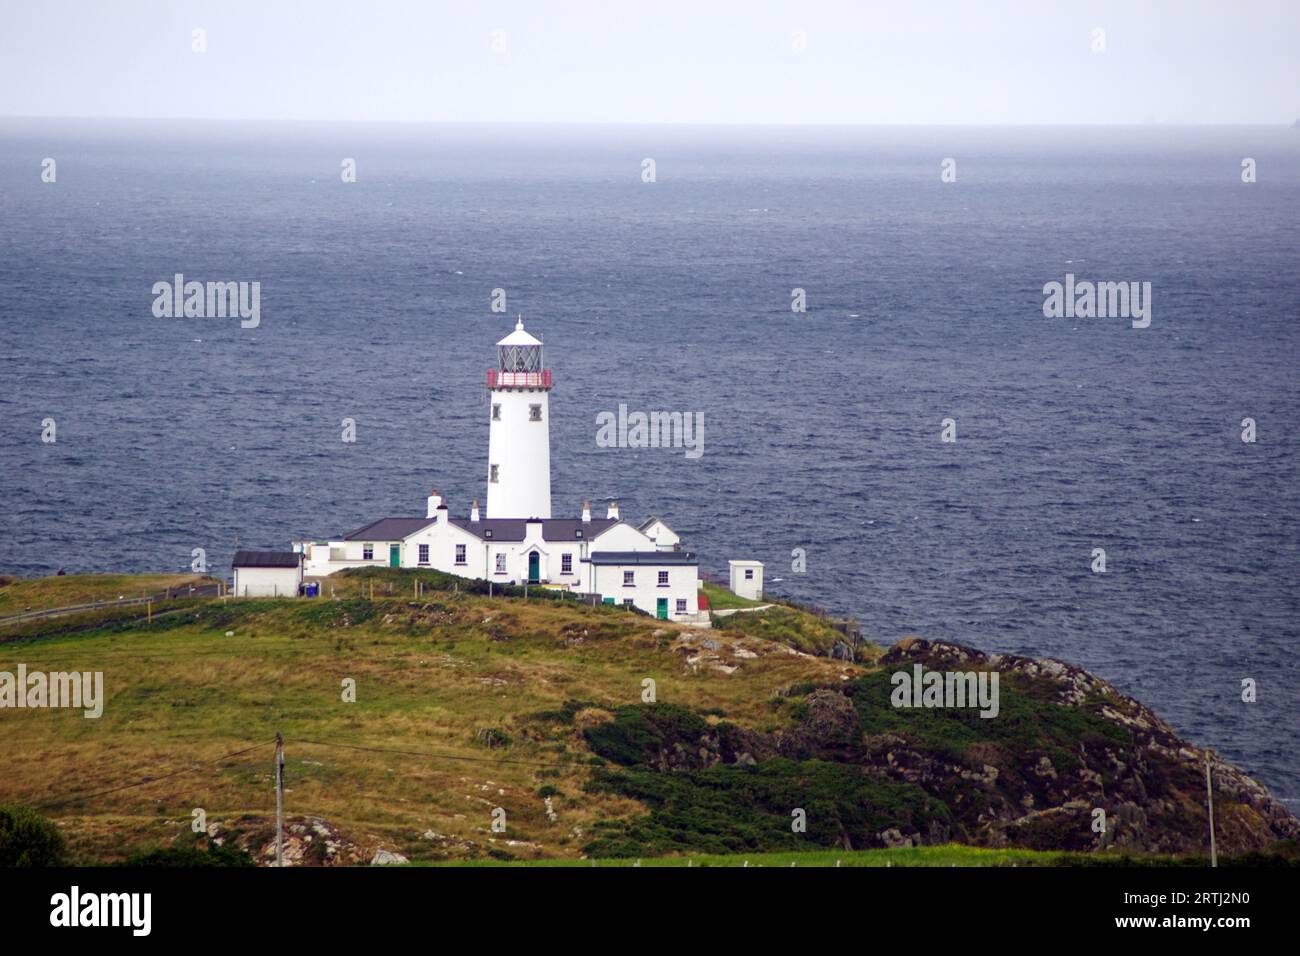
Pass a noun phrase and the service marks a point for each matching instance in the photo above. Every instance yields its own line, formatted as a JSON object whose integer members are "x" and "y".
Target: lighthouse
{"x": 514, "y": 540}
{"x": 519, "y": 439}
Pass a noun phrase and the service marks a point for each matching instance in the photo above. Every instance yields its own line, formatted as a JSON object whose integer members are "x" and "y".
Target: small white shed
{"x": 267, "y": 573}
{"x": 747, "y": 579}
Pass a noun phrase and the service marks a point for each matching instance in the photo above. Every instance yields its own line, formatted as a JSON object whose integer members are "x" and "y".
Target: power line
{"x": 431, "y": 756}
{"x": 149, "y": 780}
{"x": 76, "y": 798}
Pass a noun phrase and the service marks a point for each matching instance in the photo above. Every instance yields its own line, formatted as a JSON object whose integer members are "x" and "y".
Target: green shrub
{"x": 1028, "y": 719}
{"x": 638, "y": 735}
{"x": 28, "y": 839}
{"x": 731, "y": 809}
{"x": 190, "y": 856}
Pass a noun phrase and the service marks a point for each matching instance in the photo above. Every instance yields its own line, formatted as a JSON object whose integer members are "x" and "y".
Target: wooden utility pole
{"x": 279, "y": 799}
{"x": 1209, "y": 802}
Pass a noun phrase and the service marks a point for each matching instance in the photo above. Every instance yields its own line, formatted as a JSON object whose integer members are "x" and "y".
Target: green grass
{"x": 946, "y": 855}
{"x": 35, "y": 594}
{"x": 466, "y": 704}
{"x": 786, "y": 625}
{"x": 431, "y": 675}
{"x": 721, "y": 599}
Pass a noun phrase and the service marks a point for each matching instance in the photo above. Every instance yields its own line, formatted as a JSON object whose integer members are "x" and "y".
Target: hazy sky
{"x": 697, "y": 61}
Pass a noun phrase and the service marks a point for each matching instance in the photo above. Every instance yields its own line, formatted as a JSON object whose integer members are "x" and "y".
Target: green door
{"x": 394, "y": 555}
{"x": 534, "y": 567}
{"x": 661, "y": 609}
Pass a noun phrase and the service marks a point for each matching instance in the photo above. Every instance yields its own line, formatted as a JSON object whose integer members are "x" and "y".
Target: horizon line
{"x": 639, "y": 123}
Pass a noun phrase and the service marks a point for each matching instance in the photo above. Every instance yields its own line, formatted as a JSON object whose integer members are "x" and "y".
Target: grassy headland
{"x": 535, "y": 713}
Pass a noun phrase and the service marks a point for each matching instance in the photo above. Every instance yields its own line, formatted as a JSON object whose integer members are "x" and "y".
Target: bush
{"x": 28, "y": 839}
{"x": 730, "y": 809}
{"x": 642, "y": 735}
{"x": 190, "y": 856}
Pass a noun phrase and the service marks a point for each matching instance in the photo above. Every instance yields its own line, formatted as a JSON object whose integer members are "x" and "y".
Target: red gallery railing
{"x": 498, "y": 379}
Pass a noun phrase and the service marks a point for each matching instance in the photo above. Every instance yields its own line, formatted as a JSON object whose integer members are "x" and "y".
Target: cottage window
{"x": 629, "y": 579}
{"x": 424, "y": 554}
{"x": 663, "y": 579}
{"x": 367, "y": 552}
{"x": 681, "y": 605}
{"x": 460, "y": 554}
{"x": 566, "y": 563}
{"x": 749, "y": 574}
{"x": 501, "y": 564}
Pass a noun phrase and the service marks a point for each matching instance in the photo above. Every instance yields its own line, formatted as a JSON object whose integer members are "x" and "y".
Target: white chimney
{"x": 435, "y": 502}
{"x": 586, "y": 512}
{"x": 613, "y": 510}
{"x": 473, "y": 510}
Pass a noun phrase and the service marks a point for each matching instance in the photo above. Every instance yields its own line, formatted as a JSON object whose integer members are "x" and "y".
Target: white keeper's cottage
{"x": 515, "y": 539}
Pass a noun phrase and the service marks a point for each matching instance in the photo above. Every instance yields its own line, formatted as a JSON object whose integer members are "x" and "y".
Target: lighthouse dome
{"x": 519, "y": 336}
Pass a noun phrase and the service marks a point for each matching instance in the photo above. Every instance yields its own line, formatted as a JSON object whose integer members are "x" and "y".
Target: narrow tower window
{"x": 534, "y": 413}
{"x": 492, "y": 474}
{"x": 496, "y": 411}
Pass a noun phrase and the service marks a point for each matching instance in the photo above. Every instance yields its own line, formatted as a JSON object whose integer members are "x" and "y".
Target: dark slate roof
{"x": 266, "y": 559}
{"x": 649, "y": 521}
{"x": 553, "y": 529}
{"x": 660, "y": 558}
{"x": 389, "y": 529}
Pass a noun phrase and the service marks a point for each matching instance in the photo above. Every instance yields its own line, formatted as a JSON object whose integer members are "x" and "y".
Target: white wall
{"x": 664, "y": 537}
{"x": 267, "y": 582}
{"x": 622, "y": 537}
{"x": 322, "y": 559}
{"x": 751, "y": 588}
{"x": 683, "y": 582}
{"x": 442, "y": 538}
{"x": 521, "y": 448}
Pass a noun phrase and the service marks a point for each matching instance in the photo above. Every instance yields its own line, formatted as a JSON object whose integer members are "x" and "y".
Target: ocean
{"x": 822, "y": 429}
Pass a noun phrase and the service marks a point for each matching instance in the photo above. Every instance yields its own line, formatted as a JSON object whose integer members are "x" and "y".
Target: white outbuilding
{"x": 747, "y": 579}
{"x": 267, "y": 573}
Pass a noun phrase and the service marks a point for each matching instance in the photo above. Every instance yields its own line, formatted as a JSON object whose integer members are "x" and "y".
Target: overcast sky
{"x": 638, "y": 61}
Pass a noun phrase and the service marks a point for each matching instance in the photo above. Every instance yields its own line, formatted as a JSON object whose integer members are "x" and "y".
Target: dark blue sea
{"x": 822, "y": 430}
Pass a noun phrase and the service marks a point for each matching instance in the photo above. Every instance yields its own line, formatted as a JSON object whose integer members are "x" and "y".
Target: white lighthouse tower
{"x": 519, "y": 441}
